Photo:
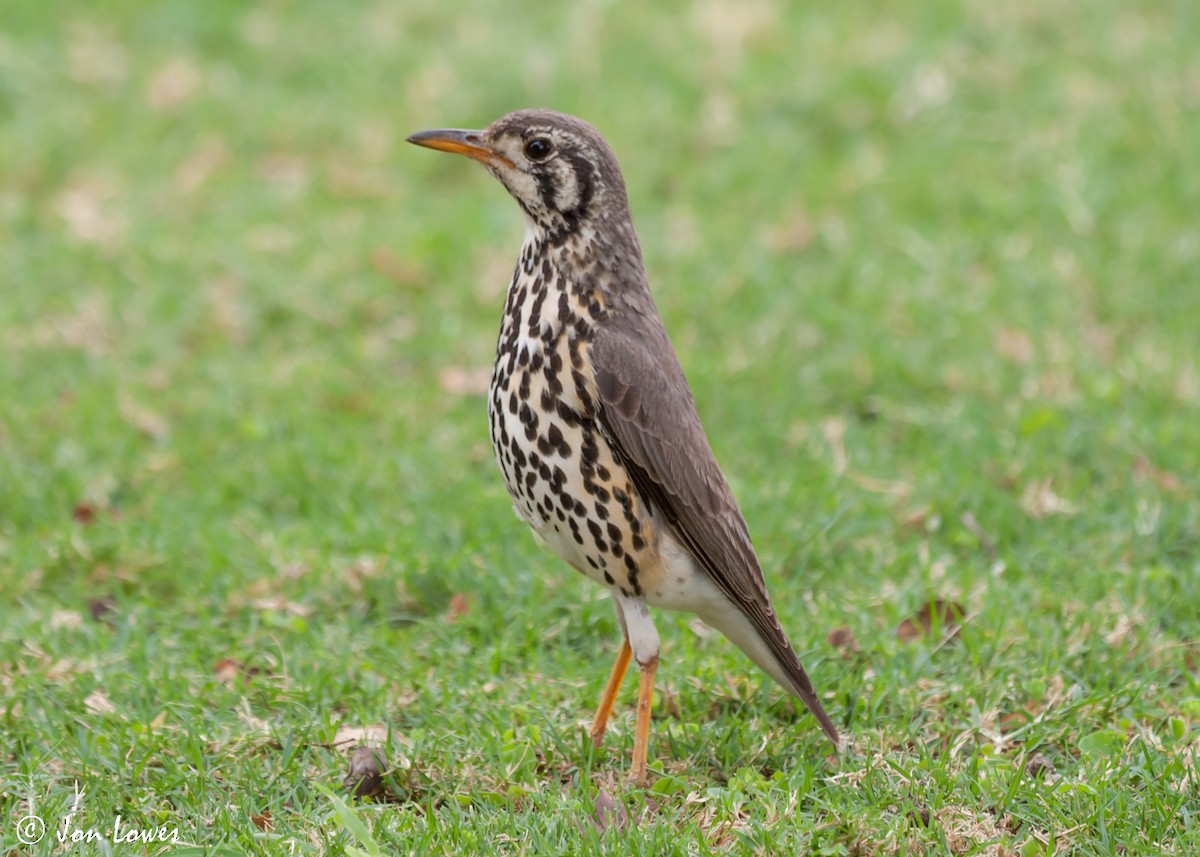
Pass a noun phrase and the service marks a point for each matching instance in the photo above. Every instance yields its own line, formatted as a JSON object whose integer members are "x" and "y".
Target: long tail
{"x": 790, "y": 676}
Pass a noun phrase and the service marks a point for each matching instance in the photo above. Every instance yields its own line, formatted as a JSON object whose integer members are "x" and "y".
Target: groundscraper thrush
{"x": 593, "y": 423}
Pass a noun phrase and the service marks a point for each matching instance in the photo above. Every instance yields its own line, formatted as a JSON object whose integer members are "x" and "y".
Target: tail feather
{"x": 790, "y": 676}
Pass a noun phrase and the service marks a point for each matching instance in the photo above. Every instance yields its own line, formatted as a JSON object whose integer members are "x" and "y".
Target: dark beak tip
{"x": 421, "y": 136}
{"x": 457, "y": 135}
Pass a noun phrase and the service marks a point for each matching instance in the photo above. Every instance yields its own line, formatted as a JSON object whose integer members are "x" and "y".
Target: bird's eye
{"x": 538, "y": 149}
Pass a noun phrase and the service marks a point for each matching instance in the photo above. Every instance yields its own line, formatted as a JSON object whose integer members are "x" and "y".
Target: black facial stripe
{"x": 545, "y": 181}
{"x": 528, "y": 213}
{"x": 583, "y": 180}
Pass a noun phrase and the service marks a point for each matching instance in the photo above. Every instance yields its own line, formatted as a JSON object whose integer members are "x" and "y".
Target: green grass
{"x": 932, "y": 269}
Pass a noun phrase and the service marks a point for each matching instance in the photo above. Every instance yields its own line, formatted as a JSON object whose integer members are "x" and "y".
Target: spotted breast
{"x": 559, "y": 469}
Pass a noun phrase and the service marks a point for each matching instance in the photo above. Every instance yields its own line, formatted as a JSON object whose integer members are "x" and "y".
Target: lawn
{"x": 933, "y": 270}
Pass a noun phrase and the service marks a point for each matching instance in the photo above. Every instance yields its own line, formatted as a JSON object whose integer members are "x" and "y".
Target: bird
{"x": 592, "y": 421}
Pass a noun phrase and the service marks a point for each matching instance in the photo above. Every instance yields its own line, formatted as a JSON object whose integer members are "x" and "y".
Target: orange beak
{"x": 469, "y": 143}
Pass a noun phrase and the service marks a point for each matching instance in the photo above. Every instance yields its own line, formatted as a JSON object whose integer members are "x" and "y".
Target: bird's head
{"x": 557, "y": 167}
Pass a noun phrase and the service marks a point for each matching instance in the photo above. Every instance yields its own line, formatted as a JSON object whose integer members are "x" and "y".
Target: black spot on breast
{"x": 590, "y": 449}
{"x": 529, "y": 420}
{"x": 566, "y": 414}
{"x": 535, "y": 318}
{"x": 632, "y": 566}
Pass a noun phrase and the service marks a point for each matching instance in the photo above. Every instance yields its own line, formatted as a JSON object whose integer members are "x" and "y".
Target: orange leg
{"x": 600, "y": 723}
{"x": 641, "y": 737}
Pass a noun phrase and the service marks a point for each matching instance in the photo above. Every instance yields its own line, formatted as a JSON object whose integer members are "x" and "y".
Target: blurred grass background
{"x": 932, "y": 271}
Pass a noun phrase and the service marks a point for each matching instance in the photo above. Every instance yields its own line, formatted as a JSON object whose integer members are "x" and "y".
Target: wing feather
{"x": 648, "y": 415}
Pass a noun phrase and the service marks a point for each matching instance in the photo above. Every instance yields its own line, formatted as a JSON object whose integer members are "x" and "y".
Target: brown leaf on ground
{"x": 945, "y": 615}
{"x": 1144, "y": 470}
{"x": 147, "y": 421}
{"x": 102, "y": 610}
{"x": 970, "y": 831}
{"x": 1014, "y": 345}
{"x": 609, "y": 813}
{"x": 1039, "y": 500}
{"x": 460, "y": 605}
{"x": 1191, "y": 657}
{"x": 1037, "y": 764}
{"x": 923, "y": 519}
{"x": 835, "y": 435}
{"x": 374, "y": 734}
{"x": 843, "y": 640}
{"x": 173, "y": 83}
{"x": 279, "y": 604}
{"x": 63, "y": 668}
{"x": 91, "y": 212}
{"x": 66, "y": 619}
{"x": 365, "y": 776}
{"x": 669, "y": 706}
{"x": 919, "y": 814}
{"x": 98, "y": 703}
{"x": 880, "y": 486}
{"x": 263, "y": 822}
{"x": 1012, "y": 720}
{"x": 465, "y": 382}
{"x": 229, "y": 670}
